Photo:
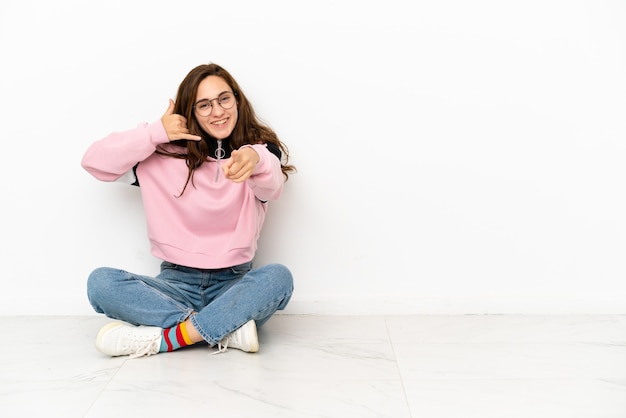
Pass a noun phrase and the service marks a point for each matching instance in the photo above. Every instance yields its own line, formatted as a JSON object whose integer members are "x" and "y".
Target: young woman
{"x": 206, "y": 170}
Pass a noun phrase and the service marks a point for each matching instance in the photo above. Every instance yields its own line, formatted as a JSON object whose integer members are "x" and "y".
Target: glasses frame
{"x": 234, "y": 94}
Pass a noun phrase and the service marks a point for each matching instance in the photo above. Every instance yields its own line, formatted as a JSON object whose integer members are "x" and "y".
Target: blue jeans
{"x": 217, "y": 301}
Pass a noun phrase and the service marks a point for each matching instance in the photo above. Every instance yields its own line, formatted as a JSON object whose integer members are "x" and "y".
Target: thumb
{"x": 170, "y": 108}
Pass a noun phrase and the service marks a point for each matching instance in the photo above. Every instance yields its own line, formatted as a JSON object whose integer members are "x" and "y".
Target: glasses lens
{"x": 226, "y": 100}
{"x": 204, "y": 108}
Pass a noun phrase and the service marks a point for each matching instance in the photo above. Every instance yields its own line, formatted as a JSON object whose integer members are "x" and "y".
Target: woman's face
{"x": 215, "y": 96}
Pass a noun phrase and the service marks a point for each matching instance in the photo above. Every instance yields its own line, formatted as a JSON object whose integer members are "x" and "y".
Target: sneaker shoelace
{"x": 144, "y": 347}
{"x": 222, "y": 346}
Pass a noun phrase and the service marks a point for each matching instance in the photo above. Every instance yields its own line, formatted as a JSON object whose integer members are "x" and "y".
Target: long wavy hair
{"x": 248, "y": 130}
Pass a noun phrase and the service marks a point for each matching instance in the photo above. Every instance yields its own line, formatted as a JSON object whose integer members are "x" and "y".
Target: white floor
{"x": 328, "y": 366}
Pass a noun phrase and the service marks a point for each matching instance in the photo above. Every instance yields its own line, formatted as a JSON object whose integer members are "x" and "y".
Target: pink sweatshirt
{"x": 215, "y": 224}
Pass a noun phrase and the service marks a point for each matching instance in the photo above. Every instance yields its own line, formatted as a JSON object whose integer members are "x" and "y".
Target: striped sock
{"x": 174, "y": 338}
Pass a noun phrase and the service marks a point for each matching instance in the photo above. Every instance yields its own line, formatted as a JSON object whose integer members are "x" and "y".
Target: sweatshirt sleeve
{"x": 109, "y": 158}
{"x": 267, "y": 180}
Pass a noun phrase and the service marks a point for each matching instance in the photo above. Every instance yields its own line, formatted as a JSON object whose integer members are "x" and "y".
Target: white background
{"x": 453, "y": 156}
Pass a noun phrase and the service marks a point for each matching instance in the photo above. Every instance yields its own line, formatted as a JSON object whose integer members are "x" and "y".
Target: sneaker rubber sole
{"x": 103, "y": 331}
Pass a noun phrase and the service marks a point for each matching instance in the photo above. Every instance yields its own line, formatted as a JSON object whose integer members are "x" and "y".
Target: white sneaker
{"x": 119, "y": 339}
{"x": 244, "y": 338}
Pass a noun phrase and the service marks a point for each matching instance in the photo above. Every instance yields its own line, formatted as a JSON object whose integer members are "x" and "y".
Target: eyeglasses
{"x": 205, "y": 107}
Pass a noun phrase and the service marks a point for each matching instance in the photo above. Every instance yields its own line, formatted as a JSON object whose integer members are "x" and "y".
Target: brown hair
{"x": 248, "y": 130}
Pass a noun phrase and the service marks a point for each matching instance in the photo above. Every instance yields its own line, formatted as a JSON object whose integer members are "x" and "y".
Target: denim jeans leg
{"x": 138, "y": 300}
{"x": 257, "y": 295}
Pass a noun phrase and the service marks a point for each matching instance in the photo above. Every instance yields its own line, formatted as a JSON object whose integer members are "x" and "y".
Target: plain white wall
{"x": 453, "y": 156}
